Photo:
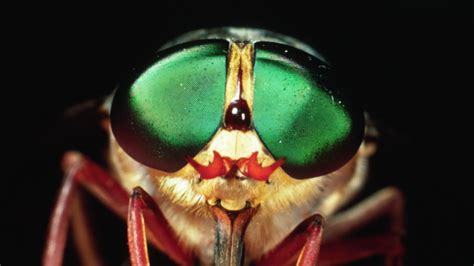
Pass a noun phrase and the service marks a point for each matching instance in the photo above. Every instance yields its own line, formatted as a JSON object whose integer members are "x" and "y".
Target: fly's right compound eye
{"x": 171, "y": 109}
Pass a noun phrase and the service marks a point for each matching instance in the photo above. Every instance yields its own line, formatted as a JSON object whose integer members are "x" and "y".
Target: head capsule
{"x": 171, "y": 109}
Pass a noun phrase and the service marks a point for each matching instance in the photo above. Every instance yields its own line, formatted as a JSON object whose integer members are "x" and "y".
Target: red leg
{"x": 144, "y": 210}
{"x": 58, "y": 225}
{"x": 84, "y": 172}
{"x": 137, "y": 245}
{"x": 82, "y": 234}
{"x": 346, "y": 251}
{"x": 305, "y": 238}
{"x": 386, "y": 202}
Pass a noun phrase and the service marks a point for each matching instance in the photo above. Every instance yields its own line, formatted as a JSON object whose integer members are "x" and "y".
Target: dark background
{"x": 408, "y": 61}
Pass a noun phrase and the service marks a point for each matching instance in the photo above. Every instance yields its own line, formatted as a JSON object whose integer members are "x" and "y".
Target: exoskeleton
{"x": 233, "y": 146}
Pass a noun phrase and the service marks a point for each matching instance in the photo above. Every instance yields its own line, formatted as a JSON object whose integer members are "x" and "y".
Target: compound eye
{"x": 298, "y": 114}
{"x": 173, "y": 107}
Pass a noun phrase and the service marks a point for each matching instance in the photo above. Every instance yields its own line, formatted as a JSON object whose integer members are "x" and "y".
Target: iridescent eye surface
{"x": 173, "y": 108}
{"x": 298, "y": 116}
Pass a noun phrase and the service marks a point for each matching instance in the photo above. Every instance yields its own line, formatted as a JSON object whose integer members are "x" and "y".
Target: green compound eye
{"x": 298, "y": 117}
{"x": 174, "y": 107}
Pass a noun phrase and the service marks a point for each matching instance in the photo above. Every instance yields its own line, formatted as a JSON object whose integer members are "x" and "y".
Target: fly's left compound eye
{"x": 299, "y": 116}
{"x": 173, "y": 108}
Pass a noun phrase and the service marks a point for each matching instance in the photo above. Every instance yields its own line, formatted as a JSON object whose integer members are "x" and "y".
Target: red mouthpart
{"x": 221, "y": 166}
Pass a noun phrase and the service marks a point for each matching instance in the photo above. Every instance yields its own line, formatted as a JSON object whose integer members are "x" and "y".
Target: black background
{"x": 408, "y": 61}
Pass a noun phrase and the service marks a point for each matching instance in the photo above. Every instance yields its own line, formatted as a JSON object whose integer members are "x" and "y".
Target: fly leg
{"x": 304, "y": 240}
{"x": 349, "y": 250}
{"x": 80, "y": 171}
{"x": 143, "y": 214}
{"x": 58, "y": 225}
{"x": 387, "y": 202}
{"x": 82, "y": 233}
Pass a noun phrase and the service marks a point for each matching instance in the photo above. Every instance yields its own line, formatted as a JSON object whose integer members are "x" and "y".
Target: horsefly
{"x": 232, "y": 147}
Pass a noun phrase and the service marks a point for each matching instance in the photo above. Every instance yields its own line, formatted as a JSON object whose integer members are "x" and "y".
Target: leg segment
{"x": 143, "y": 211}
{"x": 345, "y": 251}
{"x": 310, "y": 252}
{"x": 80, "y": 171}
{"x": 57, "y": 233}
{"x": 305, "y": 240}
{"x": 137, "y": 244}
{"x": 82, "y": 233}
{"x": 386, "y": 202}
